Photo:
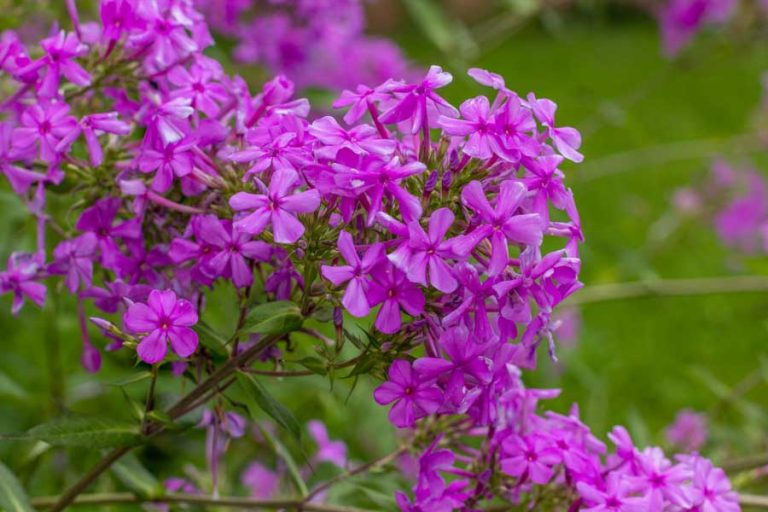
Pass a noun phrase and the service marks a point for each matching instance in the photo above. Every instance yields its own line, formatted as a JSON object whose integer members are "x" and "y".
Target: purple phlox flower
{"x": 474, "y": 296}
{"x": 362, "y": 139}
{"x": 118, "y": 17}
{"x": 263, "y": 483}
{"x": 281, "y": 281}
{"x": 356, "y": 273}
{"x": 221, "y": 250}
{"x": 415, "y": 100}
{"x": 200, "y": 84}
{"x": 659, "y": 480}
{"x": 74, "y": 258}
{"x": 487, "y": 78}
{"x": 44, "y": 124}
{"x": 21, "y": 179}
{"x": 14, "y": 57}
{"x": 710, "y": 489}
{"x": 165, "y": 34}
{"x": 739, "y": 222}
{"x": 414, "y": 397}
{"x": 515, "y": 132}
{"x": 452, "y": 498}
{"x": 277, "y": 207}
{"x": 477, "y": 124}
{"x": 359, "y": 102}
{"x": 169, "y": 120}
{"x": 500, "y": 223}
{"x": 91, "y": 126}
{"x": 276, "y": 153}
{"x": 529, "y": 458}
{"x": 334, "y": 452}
{"x": 545, "y": 180}
{"x": 99, "y": 220}
{"x": 390, "y": 288}
{"x": 20, "y": 277}
{"x": 376, "y": 178}
{"x": 567, "y": 140}
{"x": 174, "y": 159}
{"x": 464, "y": 367}
{"x": 616, "y": 497}
{"x": 140, "y": 263}
{"x": 689, "y": 431}
{"x": 425, "y": 253}
{"x": 679, "y": 20}
{"x": 163, "y": 319}
{"x": 60, "y": 51}
{"x": 111, "y": 297}
{"x": 431, "y": 462}
{"x": 625, "y": 447}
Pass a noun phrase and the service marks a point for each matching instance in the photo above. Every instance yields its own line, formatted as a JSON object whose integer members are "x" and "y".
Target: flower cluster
{"x": 545, "y": 461}
{"x": 316, "y": 43}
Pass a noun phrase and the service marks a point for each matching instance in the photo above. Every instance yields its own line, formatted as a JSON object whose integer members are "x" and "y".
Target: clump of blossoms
{"x": 426, "y": 220}
{"x": 316, "y": 43}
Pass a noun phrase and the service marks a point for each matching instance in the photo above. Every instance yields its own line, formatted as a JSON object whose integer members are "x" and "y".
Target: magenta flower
{"x": 44, "y": 124}
{"x": 529, "y": 458}
{"x": 163, "y": 319}
{"x": 477, "y": 125}
{"x": 91, "y": 126}
{"x": 362, "y": 139}
{"x": 198, "y": 83}
{"x": 277, "y": 207}
{"x": 175, "y": 159}
{"x": 20, "y": 278}
{"x": 359, "y": 102}
{"x": 334, "y": 452}
{"x": 276, "y": 154}
{"x": 545, "y": 180}
{"x": 414, "y": 397}
{"x": 426, "y": 253}
{"x": 414, "y": 100}
{"x": 567, "y": 140}
{"x": 393, "y": 291}
{"x": 616, "y": 497}
{"x": 168, "y": 120}
{"x": 500, "y": 223}
{"x": 74, "y": 258}
{"x": 710, "y": 488}
{"x": 118, "y": 17}
{"x": 60, "y": 52}
{"x": 356, "y": 272}
{"x": 680, "y": 20}
{"x": 99, "y": 219}
{"x": 263, "y": 483}
{"x": 689, "y": 430}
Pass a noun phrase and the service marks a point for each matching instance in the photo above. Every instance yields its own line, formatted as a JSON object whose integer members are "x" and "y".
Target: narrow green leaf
{"x": 12, "y": 495}
{"x": 282, "y": 452}
{"x": 132, "y": 379}
{"x": 273, "y": 318}
{"x": 313, "y": 364}
{"x": 258, "y": 397}
{"x": 87, "y": 431}
{"x": 136, "y": 477}
{"x": 364, "y": 365}
{"x": 211, "y": 339}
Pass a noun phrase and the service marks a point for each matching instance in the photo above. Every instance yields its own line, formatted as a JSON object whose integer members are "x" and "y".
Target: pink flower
{"x": 277, "y": 207}
{"x": 44, "y": 124}
{"x": 414, "y": 397}
{"x": 163, "y": 319}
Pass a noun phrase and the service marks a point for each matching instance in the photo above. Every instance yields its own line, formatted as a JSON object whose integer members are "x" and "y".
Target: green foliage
{"x": 86, "y": 431}
{"x": 279, "y": 317}
{"x": 258, "y": 398}
{"x": 12, "y": 495}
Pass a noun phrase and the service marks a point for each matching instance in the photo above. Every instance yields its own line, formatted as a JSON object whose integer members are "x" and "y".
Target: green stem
{"x": 232, "y": 502}
{"x": 669, "y": 288}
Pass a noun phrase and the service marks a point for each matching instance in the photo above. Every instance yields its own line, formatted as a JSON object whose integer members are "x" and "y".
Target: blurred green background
{"x": 650, "y": 125}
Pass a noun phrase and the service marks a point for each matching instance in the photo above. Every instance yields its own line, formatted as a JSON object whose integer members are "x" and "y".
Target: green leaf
{"x": 211, "y": 339}
{"x": 136, "y": 477}
{"x": 132, "y": 379}
{"x": 273, "y": 318}
{"x": 448, "y": 35}
{"x": 313, "y": 364}
{"x": 87, "y": 431}
{"x": 9, "y": 388}
{"x": 12, "y": 495}
{"x": 364, "y": 365}
{"x": 259, "y": 398}
{"x": 282, "y": 452}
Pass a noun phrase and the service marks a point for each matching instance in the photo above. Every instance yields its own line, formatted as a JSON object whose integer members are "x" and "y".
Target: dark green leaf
{"x": 136, "y": 477}
{"x": 132, "y": 379}
{"x": 12, "y": 495}
{"x": 86, "y": 431}
{"x": 273, "y": 318}
{"x": 9, "y": 389}
{"x": 364, "y": 365}
{"x": 211, "y": 339}
{"x": 259, "y": 398}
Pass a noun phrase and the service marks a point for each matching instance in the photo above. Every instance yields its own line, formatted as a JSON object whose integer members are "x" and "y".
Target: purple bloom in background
{"x": 739, "y": 223}
{"x": 356, "y": 272}
{"x": 679, "y": 20}
{"x": 414, "y": 397}
{"x": 393, "y": 291}
{"x": 262, "y": 482}
{"x": 20, "y": 278}
{"x": 99, "y": 219}
{"x": 74, "y": 258}
{"x": 689, "y": 431}
{"x": 500, "y": 222}
{"x": 334, "y": 452}
{"x": 277, "y": 207}
{"x": 163, "y": 319}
